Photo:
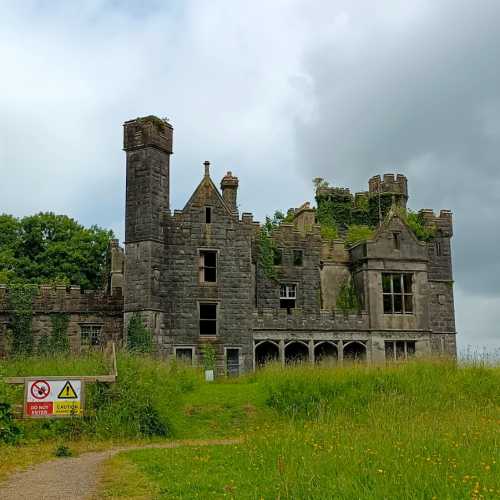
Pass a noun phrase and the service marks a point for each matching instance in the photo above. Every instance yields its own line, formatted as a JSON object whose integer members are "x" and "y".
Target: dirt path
{"x": 75, "y": 478}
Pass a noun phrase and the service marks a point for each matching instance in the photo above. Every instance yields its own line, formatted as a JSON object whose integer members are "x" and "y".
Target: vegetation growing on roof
{"x": 267, "y": 246}
{"x": 356, "y": 233}
{"x": 157, "y": 122}
{"x": 358, "y": 217}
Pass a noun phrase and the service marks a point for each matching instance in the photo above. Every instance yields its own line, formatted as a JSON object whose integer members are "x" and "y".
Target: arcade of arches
{"x": 302, "y": 351}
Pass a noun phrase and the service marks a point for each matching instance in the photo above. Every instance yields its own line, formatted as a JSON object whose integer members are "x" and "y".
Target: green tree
{"x": 53, "y": 249}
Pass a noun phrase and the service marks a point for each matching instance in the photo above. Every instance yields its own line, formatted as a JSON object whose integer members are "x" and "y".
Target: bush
{"x": 142, "y": 401}
{"x": 10, "y": 432}
{"x": 63, "y": 451}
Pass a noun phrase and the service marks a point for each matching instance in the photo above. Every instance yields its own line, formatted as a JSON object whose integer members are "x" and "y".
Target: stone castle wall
{"x": 83, "y": 308}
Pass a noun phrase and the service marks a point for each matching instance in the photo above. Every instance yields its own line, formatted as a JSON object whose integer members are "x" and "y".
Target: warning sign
{"x": 53, "y": 398}
{"x": 67, "y": 392}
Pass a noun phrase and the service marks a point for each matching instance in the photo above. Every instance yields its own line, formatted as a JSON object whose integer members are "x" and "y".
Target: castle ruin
{"x": 195, "y": 275}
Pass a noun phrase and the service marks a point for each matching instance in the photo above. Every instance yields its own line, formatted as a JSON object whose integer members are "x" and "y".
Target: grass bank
{"x": 410, "y": 431}
{"x": 406, "y": 431}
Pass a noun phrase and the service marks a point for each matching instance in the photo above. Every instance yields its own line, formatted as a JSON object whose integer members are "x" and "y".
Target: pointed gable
{"x": 395, "y": 239}
{"x": 207, "y": 194}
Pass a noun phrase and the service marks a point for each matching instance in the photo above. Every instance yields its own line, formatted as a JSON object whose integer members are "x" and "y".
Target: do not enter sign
{"x": 53, "y": 398}
{"x": 40, "y": 389}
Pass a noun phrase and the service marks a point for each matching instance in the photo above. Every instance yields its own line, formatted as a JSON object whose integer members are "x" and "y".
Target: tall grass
{"x": 427, "y": 430}
{"x": 421, "y": 387}
{"x": 141, "y": 404}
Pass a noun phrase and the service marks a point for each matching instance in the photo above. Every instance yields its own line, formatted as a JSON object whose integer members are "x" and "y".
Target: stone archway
{"x": 326, "y": 353}
{"x": 354, "y": 352}
{"x": 266, "y": 352}
{"x": 296, "y": 352}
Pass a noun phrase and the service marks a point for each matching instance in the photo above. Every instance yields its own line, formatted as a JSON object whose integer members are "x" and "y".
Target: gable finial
{"x": 207, "y": 168}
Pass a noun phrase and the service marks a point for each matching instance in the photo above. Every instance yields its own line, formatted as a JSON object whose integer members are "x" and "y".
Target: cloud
{"x": 278, "y": 92}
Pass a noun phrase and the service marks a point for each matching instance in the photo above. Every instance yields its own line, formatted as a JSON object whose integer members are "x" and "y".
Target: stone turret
{"x": 395, "y": 185}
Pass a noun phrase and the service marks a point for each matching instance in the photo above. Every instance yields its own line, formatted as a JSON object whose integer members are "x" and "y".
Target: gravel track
{"x": 76, "y": 478}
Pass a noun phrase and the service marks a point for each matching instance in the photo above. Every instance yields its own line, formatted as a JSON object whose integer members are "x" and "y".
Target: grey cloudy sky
{"x": 278, "y": 92}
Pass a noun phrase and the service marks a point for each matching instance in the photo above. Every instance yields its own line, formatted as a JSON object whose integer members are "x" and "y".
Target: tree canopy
{"x": 52, "y": 249}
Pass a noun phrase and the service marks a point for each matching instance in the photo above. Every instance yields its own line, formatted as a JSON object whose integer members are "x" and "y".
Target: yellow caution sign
{"x": 67, "y": 392}
{"x": 67, "y": 408}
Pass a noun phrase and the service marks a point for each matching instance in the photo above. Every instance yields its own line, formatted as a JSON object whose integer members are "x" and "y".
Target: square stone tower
{"x": 148, "y": 145}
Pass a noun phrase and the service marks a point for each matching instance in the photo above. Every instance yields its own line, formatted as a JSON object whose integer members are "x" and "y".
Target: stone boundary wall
{"x": 82, "y": 307}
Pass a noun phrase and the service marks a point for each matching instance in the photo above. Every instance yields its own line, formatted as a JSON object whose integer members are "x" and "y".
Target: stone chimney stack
{"x": 229, "y": 186}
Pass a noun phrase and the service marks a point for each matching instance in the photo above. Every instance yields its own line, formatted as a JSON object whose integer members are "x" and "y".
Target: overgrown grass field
{"x": 427, "y": 430}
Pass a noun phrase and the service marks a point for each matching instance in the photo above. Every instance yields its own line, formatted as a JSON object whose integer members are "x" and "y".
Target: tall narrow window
{"x": 277, "y": 256}
{"x": 397, "y": 293}
{"x": 396, "y": 240}
{"x": 298, "y": 257}
{"x": 208, "y": 215}
{"x": 208, "y": 266}
{"x": 288, "y": 295}
{"x": 438, "y": 250}
{"x": 233, "y": 362}
{"x": 208, "y": 319}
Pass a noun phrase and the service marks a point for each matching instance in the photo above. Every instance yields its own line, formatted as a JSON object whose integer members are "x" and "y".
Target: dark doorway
{"x": 233, "y": 362}
{"x": 265, "y": 353}
{"x": 296, "y": 352}
{"x": 355, "y": 352}
{"x": 326, "y": 353}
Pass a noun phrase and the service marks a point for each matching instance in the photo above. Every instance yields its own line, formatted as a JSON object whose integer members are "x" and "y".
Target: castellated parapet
{"x": 85, "y": 309}
{"x": 148, "y": 131}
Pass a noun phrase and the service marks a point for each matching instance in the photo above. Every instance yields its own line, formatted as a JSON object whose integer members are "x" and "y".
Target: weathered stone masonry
{"x": 100, "y": 310}
{"x": 294, "y": 316}
{"x": 194, "y": 274}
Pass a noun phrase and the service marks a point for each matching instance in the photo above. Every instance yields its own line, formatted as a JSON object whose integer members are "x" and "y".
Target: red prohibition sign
{"x": 40, "y": 389}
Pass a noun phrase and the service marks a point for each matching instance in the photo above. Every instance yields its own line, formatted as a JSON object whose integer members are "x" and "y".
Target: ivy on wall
{"x": 58, "y": 341}
{"x": 267, "y": 246}
{"x": 21, "y": 305}
{"x": 139, "y": 336}
{"x": 347, "y": 299}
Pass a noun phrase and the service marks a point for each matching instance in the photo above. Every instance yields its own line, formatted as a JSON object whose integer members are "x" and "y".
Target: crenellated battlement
{"x": 389, "y": 183}
{"x": 68, "y": 299}
{"x": 147, "y": 131}
{"x": 279, "y": 319}
{"x": 442, "y": 222}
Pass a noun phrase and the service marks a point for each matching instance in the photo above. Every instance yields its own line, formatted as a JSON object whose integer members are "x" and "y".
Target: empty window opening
{"x": 397, "y": 293}
{"x": 232, "y": 362}
{"x": 399, "y": 350}
{"x": 438, "y": 249}
{"x": 355, "y": 352}
{"x": 298, "y": 257}
{"x": 184, "y": 355}
{"x": 266, "y": 352}
{"x": 208, "y": 319}
{"x": 208, "y": 266}
{"x": 396, "y": 240}
{"x": 277, "y": 256}
{"x": 288, "y": 295}
{"x": 208, "y": 215}
{"x": 90, "y": 335}
{"x": 326, "y": 353}
{"x": 296, "y": 352}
